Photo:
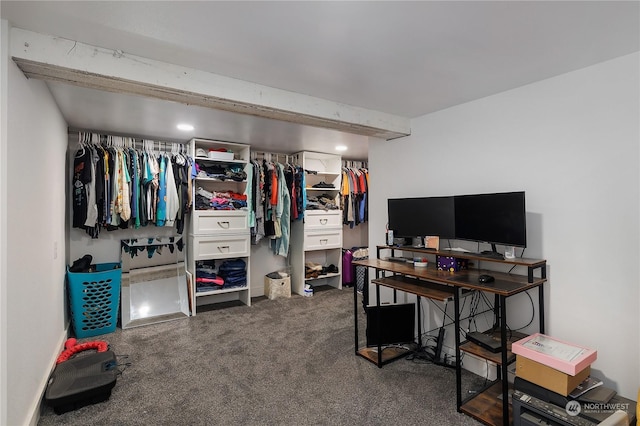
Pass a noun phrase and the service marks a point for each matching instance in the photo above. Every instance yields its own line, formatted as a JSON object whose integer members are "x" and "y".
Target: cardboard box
{"x": 449, "y": 263}
{"x": 432, "y": 242}
{"x": 277, "y": 287}
{"x": 547, "y": 377}
{"x": 555, "y": 353}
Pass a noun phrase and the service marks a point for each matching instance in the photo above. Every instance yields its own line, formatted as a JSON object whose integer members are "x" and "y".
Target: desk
{"x": 485, "y": 406}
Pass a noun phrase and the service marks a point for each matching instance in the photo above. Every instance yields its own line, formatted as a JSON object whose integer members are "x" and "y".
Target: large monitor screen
{"x": 498, "y": 218}
{"x": 419, "y": 217}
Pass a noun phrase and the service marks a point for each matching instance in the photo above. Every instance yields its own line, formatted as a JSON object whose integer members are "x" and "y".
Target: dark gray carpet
{"x": 278, "y": 362}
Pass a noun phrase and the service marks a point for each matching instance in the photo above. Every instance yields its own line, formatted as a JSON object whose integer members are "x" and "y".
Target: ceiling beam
{"x": 52, "y": 58}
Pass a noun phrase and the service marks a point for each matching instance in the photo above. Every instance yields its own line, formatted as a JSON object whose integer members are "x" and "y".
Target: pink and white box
{"x": 562, "y": 356}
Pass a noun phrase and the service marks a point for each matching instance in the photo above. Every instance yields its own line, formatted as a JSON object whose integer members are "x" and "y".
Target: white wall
{"x": 4, "y": 60}
{"x": 36, "y": 143}
{"x": 572, "y": 143}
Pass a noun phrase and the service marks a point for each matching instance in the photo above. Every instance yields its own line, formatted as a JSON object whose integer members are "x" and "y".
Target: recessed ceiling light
{"x": 185, "y": 127}
{"x": 341, "y": 148}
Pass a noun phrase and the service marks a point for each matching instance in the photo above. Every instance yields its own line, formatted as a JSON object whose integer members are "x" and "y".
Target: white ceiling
{"x": 402, "y": 58}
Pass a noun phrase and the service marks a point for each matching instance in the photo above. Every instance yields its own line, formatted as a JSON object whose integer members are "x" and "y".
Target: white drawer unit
{"x": 318, "y": 238}
{"x": 320, "y": 219}
{"x": 323, "y": 240}
{"x": 210, "y": 247}
{"x": 218, "y": 235}
{"x": 206, "y": 222}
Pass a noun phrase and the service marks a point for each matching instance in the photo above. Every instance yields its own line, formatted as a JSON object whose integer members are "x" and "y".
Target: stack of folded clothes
{"x": 221, "y": 172}
{"x": 206, "y": 277}
{"x": 321, "y": 202}
{"x": 315, "y": 270}
{"x": 234, "y": 273}
{"x": 220, "y": 200}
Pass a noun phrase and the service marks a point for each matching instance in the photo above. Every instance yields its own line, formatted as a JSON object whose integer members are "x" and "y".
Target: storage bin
{"x": 221, "y": 155}
{"x": 277, "y": 287}
{"x": 94, "y": 298}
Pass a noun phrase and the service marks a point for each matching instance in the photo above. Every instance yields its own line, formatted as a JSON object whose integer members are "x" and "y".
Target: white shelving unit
{"x": 318, "y": 239}
{"x": 218, "y": 235}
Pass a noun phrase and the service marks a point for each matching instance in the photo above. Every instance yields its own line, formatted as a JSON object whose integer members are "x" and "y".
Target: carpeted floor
{"x": 278, "y": 362}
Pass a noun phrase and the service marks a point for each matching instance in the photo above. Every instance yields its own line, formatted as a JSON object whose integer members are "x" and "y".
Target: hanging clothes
{"x": 275, "y": 192}
{"x": 116, "y": 186}
{"x": 280, "y": 244}
{"x": 353, "y": 195}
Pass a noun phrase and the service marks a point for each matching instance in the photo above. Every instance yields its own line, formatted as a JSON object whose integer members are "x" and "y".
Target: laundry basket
{"x": 94, "y": 298}
{"x": 360, "y": 271}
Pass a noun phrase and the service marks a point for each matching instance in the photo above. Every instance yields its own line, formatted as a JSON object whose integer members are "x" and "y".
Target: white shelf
{"x": 322, "y": 277}
{"x": 221, "y": 291}
{"x": 213, "y": 160}
{"x": 208, "y": 179}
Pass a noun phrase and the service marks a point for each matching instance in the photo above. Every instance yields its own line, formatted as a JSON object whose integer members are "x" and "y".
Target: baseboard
{"x": 37, "y": 405}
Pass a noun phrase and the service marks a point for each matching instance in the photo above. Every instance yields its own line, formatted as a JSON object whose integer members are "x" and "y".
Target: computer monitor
{"x": 498, "y": 218}
{"x": 422, "y": 216}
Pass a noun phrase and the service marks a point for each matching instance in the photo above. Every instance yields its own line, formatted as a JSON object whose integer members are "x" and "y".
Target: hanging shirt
{"x": 173, "y": 202}
{"x": 125, "y": 211}
{"x": 249, "y": 190}
{"x": 92, "y": 208}
{"x": 81, "y": 177}
{"x": 161, "y": 207}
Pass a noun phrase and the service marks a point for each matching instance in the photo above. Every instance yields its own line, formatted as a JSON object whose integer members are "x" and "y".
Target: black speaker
{"x": 81, "y": 381}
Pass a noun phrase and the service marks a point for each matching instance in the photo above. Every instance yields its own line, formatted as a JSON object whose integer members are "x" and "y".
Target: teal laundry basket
{"x": 94, "y": 299}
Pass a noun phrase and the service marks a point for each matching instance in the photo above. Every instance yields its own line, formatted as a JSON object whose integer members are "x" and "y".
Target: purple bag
{"x": 347, "y": 267}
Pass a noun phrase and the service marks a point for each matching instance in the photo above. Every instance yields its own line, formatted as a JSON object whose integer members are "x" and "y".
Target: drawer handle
{"x": 324, "y": 241}
{"x": 323, "y": 221}
{"x": 224, "y": 225}
{"x": 222, "y": 248}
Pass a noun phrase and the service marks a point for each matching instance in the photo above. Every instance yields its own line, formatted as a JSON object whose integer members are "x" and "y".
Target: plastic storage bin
{"x": 94, "y": 299}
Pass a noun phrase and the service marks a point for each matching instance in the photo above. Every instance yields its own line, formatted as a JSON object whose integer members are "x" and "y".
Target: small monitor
{"x": 397, "y": 324}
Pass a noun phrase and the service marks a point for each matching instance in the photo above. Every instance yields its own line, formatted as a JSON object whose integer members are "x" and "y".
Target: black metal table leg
{"x": 456, "y": 320}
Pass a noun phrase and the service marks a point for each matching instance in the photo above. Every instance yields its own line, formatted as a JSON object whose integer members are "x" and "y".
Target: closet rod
{"x": 270, "y": 156}
{"x": 136, "y": 139}
{"x": 129, "y": 141}
{"x": 354, "y": 163}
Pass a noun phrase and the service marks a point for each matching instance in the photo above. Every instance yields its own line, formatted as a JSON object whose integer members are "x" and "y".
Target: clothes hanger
{"x": 81, "y": 142}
